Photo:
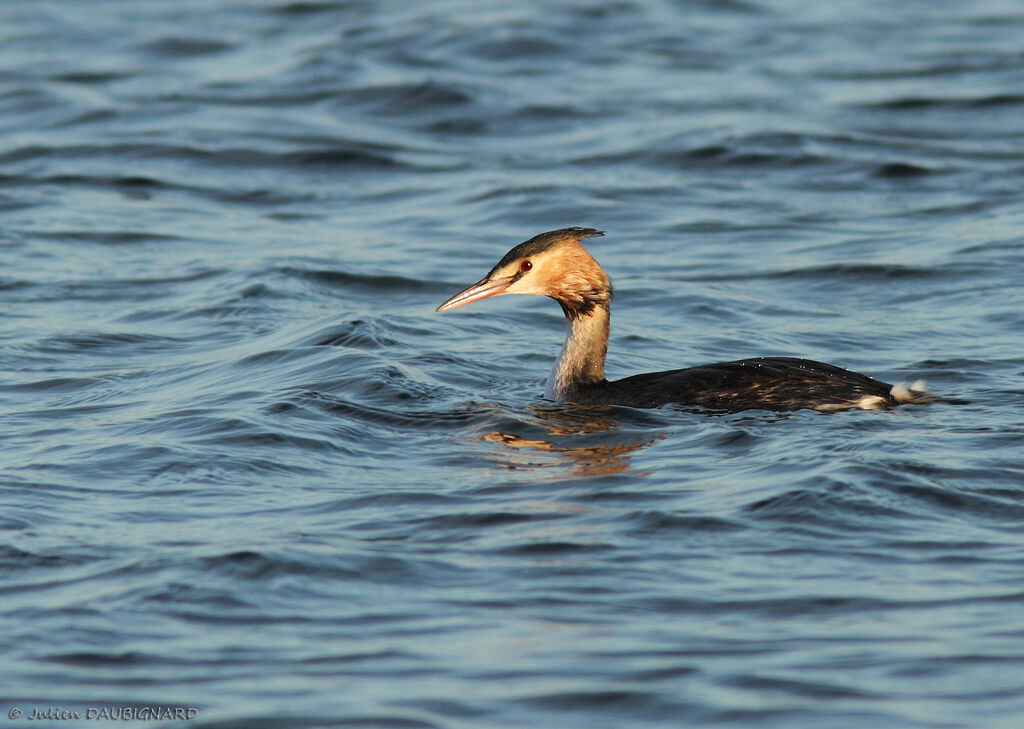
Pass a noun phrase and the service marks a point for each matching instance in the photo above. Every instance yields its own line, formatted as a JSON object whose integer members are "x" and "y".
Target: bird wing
{"x": 771, "y": 383}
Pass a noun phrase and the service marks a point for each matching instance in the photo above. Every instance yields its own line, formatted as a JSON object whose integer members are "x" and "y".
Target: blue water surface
{"x": 247, "y": 469}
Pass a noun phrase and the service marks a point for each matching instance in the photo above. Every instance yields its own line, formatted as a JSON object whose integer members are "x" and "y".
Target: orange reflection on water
{"x": 565, "y": 425}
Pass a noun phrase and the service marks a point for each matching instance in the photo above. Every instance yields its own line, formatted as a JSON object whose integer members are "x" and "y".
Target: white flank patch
{"x": 872, "y": 402}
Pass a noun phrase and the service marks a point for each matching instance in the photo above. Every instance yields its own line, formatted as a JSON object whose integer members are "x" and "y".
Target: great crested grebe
{"x": 556, "y": 264}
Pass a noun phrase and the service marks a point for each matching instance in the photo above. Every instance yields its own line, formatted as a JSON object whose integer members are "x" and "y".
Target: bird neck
{"x": 581, "y": 362}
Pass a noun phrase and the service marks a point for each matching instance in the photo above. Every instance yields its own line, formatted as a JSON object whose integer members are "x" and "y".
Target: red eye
{"x": 525, "y": 266}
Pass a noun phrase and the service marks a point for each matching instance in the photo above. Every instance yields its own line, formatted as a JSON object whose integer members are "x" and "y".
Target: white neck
{"x": 582, "y": 359}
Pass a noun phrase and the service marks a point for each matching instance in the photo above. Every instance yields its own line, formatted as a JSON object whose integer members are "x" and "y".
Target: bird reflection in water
{"x": 572, "y": 434}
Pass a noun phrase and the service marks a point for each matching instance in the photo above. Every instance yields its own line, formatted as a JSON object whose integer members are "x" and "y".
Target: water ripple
{"x": 247, "y": 466}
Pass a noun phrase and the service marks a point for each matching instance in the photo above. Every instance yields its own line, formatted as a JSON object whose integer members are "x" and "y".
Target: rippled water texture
{"x": 247, "y": 469}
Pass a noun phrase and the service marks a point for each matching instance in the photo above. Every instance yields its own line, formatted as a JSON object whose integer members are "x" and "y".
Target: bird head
{"x": 551, "y": 264}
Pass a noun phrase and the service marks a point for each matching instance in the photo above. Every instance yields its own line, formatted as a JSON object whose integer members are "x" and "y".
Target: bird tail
{"x": 903, "y": 394}
{"x": 899, "y": 394}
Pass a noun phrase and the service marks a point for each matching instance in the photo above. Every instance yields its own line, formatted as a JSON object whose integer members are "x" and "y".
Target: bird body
{"x": 556, "y": 264}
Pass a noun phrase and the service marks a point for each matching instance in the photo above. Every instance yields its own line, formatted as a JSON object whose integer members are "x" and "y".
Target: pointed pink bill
{"x": 480, "y": 290}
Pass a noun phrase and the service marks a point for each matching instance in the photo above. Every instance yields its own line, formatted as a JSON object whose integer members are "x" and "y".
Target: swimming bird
{"x": 556, "y": 264}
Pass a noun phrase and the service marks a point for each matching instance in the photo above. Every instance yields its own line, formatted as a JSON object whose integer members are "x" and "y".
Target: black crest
{"x": 542, "y": 242}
